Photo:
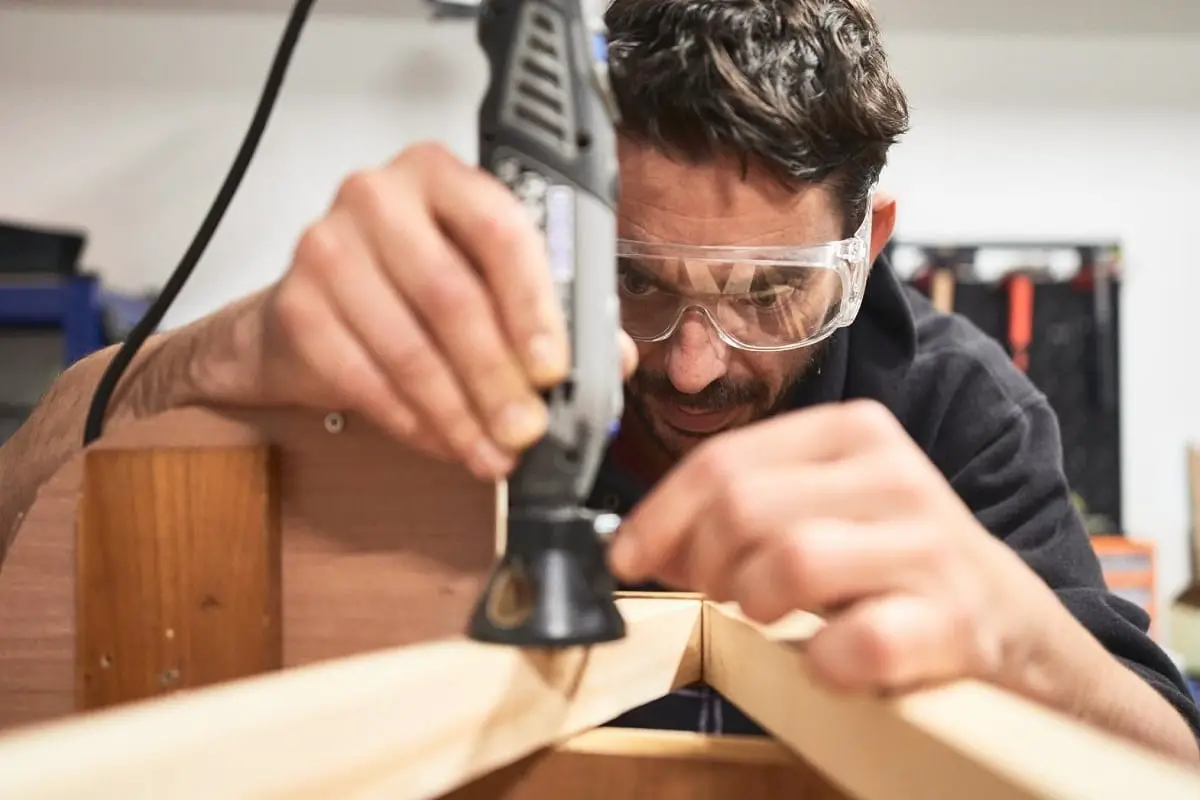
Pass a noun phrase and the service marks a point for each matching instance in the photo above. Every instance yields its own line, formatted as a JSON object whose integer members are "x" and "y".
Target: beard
{"x": 756, "y": 399}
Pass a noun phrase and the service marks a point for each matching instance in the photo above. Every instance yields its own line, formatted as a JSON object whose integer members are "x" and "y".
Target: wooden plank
{"x": 608, "y": 763}
{"x": 411, "y": 723}
{"x": 966, "y": 739}
{"x": 178, "y": 572}
{"x": 663, "y": 595}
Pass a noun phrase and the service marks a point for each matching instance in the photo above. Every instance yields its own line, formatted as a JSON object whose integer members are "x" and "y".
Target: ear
{"x": 883, "y": 222}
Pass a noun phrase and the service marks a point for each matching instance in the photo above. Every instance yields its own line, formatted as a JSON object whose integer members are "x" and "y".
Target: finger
{"x": 736, "y": 501}
{"x": 443, "y": 289}
{"x": 496, "y": 233}
{"x": 325, "y": 349}
{"x": 713, "y": 551}
{"x": 370, "y": 309}
{"x": 891, "y": 643}
{"x": 821, "y": 435}
{"x": 820, "y": 564}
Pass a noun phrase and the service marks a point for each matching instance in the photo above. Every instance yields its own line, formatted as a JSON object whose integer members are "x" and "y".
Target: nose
{"x": 696, "y": 356}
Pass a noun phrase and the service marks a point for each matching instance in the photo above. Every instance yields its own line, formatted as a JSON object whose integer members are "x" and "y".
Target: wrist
{"x": 1041, "y": 661}
{"x": 1046, "y": 650}
{"x": 202, "y": 362}
{"x": 220, "y": 353}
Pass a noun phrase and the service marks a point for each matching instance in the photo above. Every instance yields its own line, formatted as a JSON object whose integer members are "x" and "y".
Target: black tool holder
{"x": 551, "y": 587}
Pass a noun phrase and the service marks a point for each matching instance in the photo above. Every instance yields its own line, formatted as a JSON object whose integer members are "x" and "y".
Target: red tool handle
{"x": 1020, "y": 319}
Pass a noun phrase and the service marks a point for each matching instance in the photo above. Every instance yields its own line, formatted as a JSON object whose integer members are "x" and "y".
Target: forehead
{"x": 717, "y": 204}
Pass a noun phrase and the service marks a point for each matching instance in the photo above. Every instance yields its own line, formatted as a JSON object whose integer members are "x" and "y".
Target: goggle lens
{"x": 756, "y": 306}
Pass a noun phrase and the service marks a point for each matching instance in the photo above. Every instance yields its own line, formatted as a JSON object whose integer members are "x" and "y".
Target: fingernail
{"x": 486, "y": 462}
{"x": 521, "y": 423}
{"x": 544, "y": 358}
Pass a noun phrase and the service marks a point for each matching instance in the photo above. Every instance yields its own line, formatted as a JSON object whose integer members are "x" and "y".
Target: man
{"x": 797, "y": 436}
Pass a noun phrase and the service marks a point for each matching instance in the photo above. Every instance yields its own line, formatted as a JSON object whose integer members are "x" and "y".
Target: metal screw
{"x": 335, "y": 421}
{"x": 169, "y": 677}
{"x": 170, "y": 633}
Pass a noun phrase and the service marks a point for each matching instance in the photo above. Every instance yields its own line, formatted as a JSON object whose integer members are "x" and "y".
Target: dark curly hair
{"x": 799, "y": 87}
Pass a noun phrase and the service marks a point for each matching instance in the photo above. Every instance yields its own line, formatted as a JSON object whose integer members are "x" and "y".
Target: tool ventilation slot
{"x": 539, "y": 100}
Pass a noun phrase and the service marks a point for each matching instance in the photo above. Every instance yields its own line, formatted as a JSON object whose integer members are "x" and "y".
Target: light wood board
{"x": 411, "y": 723}
{"x": 963, "y": 740}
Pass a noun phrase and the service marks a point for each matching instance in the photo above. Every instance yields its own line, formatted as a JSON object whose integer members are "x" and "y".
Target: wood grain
{"x": 413, "y": 723}
{"x": 178, "y": 572}
{"x": 963, "y": 740}
{"x": 609, "y": 763}
{"x": 381, "y": 547}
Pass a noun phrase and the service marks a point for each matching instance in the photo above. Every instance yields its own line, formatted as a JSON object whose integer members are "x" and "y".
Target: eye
{"x": 633, "y": 281}
{"x": 765, "y": 299}
{"x": 769, "y": 298}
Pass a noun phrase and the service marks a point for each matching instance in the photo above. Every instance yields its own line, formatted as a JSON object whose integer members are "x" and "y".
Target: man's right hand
{"x": 422, "y": 300}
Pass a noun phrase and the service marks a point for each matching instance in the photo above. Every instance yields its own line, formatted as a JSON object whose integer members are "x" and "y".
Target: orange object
{"x": 1129, "y": 571}
{"x": 1020, "y": 319}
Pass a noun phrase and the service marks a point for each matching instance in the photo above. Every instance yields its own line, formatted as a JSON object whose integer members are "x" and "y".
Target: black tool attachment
{"x": 551, "y": 587}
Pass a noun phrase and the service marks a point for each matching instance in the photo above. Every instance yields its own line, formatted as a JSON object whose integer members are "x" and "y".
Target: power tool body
{"x": 547, "y": 130}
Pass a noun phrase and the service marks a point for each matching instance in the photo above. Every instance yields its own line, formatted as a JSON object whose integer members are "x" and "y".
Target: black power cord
{"x": 146, "y": 326}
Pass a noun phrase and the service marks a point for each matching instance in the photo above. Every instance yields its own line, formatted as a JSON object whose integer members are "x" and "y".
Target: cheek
{"x": 768, "y": 369}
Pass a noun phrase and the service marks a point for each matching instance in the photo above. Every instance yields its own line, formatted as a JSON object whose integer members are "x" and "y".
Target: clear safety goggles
{"x": 756, "y": 298}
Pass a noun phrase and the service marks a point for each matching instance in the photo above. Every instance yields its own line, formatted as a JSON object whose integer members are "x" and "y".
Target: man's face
{"x": 693, "y": 385}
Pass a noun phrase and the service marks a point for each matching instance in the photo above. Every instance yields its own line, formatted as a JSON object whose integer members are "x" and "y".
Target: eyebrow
{"x": 774, "y": 274}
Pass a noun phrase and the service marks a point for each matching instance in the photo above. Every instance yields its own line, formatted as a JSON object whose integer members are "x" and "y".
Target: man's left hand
{"x": 836, "y": 510}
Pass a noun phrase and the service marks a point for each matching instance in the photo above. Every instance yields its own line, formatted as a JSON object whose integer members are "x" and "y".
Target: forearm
{"x": 1117, "y": 699}
{"x": 1079, "y": 676}
{"x": 162, "y": 376}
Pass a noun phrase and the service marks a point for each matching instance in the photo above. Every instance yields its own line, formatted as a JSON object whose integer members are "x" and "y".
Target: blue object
{"x": 71, "y": 304}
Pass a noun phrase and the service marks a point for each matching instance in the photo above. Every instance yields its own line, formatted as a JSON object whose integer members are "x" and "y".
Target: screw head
{"x": 335, "y": 422}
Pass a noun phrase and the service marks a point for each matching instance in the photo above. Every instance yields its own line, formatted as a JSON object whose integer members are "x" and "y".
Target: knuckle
{"x": 739, "y": 508}
{"x": 504, "y": 220}
{"x": 320, "y": 247}
{"x": 897, "y": 477}
{"x": 882, "y": 651}
{"x": 424, "y": 152}
{"x": 448, "y": 294}
{"x": 928, "y": 545}
{"x": 415, "y": 364}
{"x": 363, "y": 190}
{"x": 710, "y": 467}
{"x": 414, "y": 361}
{"x": 461, "y": 430}
{"x": 499, "y": 378}
{"x": 961, "y": 623}
{"x": 294, "y": 309}
{"x": 508, "y": 226}
{"x": 869, "y": 417}
{"x": 758, "y": 608}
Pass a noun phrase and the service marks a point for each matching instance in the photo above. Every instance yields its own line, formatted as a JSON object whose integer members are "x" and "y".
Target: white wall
{"x": 125, "y": 122}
